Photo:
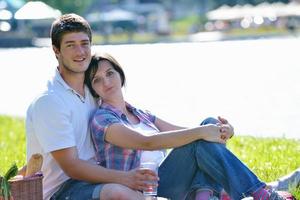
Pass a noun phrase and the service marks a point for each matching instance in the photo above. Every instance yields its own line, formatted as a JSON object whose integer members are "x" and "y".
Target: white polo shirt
{"x": 58, "y": 119}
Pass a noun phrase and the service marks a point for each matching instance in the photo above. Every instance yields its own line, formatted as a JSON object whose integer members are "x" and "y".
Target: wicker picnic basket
{"x": 27, "y": 188}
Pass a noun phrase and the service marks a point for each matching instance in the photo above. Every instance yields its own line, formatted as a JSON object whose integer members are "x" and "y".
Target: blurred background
{"x": 184, "y": 60}
{"x": 27, "y": 23}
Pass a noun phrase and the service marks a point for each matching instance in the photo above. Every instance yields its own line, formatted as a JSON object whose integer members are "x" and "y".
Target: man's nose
{"x": 80, "y": 49}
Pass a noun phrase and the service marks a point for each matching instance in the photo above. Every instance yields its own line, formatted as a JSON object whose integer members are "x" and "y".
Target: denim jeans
{"x": 206, "y": 165}
{"x": 78, "y": 190}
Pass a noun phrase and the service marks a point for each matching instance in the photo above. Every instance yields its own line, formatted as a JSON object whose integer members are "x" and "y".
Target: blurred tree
{"x": 68, "y": 6}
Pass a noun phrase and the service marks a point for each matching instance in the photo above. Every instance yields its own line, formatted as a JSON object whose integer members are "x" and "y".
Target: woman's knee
{"x": 119, "y": 192}
{"x": 210, "y": 120}
{"x": 205, "y": 147}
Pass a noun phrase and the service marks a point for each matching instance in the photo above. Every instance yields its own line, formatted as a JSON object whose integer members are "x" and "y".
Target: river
{"x": 255, "y": 84}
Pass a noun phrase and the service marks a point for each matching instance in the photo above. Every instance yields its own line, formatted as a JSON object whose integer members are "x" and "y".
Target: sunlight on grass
{"x": 269, "y": 158}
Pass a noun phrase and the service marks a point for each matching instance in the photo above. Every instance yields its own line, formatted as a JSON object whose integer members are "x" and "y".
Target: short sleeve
{"x": 51, "y": 121}
{"x": 101, "y": 120}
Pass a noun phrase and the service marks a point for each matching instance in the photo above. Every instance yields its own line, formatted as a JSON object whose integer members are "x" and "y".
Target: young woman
{"x": 198, "y": 167}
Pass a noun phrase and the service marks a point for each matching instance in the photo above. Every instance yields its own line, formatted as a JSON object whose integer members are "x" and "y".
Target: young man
{"x": 57, "y": 125}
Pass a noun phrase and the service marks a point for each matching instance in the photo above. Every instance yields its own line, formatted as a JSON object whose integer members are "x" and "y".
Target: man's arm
{"x": 79, "y": 169}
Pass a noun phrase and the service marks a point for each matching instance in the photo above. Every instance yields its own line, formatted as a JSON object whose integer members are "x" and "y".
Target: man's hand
{"x": 140, "y": 179}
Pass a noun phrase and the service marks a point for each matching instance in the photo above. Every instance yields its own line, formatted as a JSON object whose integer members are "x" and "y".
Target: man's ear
{"x": 55, "y": 50}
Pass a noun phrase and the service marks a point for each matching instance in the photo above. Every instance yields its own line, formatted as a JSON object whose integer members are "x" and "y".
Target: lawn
{"x": 269, "y": 158}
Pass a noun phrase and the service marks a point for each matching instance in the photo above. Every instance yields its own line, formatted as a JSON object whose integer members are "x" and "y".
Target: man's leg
{"x": 78, "y": 190}
{"x": 119, "y": 192}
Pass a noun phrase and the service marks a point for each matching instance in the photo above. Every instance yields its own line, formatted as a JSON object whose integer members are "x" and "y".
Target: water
{"x": 252, "y": 83}
{"x": 151, "y": 190}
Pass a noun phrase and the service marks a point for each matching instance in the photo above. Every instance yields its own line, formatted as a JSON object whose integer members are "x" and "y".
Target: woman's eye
{"x": 96, "y": 80}
{"x": 110, "y": 73}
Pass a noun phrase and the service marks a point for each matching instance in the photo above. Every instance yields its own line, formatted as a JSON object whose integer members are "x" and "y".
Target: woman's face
{"x": 107, "y": 81}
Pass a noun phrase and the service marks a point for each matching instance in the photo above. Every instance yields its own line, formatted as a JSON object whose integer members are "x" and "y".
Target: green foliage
{"x": 5, "y": 187}
{"x": 69, "y": 6}
{"x": 269, "y": 158}
{"x": 184, "y": 25}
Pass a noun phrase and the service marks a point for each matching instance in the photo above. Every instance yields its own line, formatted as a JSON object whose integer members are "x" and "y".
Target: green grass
{"x": 12, "y": 142}
{"x": 269, "y": 158}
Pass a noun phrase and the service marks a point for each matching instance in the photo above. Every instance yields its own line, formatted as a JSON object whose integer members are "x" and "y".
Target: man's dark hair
{"x": 68, "y": 23}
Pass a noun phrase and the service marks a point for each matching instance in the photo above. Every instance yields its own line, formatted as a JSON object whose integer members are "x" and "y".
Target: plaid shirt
{"x": 109, "y": 155}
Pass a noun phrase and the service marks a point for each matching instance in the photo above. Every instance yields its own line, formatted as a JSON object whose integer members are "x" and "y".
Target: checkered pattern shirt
{"x": 109, "y": 155}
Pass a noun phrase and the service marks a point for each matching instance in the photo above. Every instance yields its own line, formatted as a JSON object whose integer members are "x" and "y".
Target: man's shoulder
{"x": 53, "y": 92}
{"x": 48, "y": 96}
{"x": 46, "y": 101}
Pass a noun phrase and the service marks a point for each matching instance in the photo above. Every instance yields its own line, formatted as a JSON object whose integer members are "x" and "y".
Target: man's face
{"x": 75, "y": 52}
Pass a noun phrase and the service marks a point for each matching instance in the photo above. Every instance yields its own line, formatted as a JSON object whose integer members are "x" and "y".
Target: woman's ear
{"x": 99, "y": 101}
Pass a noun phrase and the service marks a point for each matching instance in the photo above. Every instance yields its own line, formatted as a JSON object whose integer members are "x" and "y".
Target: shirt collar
{"x": 132, "y": 109}
{"x": 58, "y": 78}
{"x": 117, "y": 111}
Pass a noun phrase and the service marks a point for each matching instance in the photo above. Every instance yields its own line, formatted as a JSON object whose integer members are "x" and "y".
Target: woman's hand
{"x": 230, "y": 128}
{"x": 216, "y": 133}
{"x": 141, "y": 179}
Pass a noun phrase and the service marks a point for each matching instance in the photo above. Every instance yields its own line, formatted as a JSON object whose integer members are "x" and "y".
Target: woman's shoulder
{"x": 103, "y": 118}
{"x": 103, "y": 111}
{"x": 140, "y": 111}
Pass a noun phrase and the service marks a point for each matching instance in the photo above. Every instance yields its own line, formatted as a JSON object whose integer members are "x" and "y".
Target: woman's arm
{"x": 166, "y": 126}
{"x": 120, "y": 135}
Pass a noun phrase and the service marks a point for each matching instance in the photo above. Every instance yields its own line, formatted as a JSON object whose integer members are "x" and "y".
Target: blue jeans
{"x": 78, "y": 190}
{"x": 206, "y": 165}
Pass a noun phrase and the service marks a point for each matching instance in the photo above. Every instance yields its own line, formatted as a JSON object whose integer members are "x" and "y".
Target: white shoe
{"x": 283, "y": 183}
